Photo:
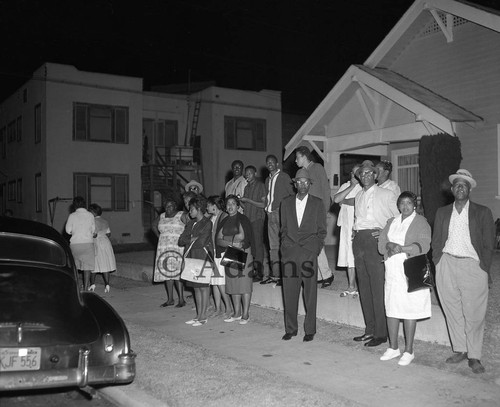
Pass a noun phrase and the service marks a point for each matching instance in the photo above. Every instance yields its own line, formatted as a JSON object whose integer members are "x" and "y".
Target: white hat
{"x": 465, "y": 175}
{"x": 193, "y": 183}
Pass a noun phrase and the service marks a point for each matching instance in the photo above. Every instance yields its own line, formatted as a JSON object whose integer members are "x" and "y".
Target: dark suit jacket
{"x": 481, "y": 228}
{"x": 311, "y": 234}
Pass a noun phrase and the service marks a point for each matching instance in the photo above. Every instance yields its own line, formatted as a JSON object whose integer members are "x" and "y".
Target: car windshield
{"x": 15, "y": 247}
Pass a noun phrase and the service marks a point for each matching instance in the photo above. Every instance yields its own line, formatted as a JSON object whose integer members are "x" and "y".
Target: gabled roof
{"x": 474, "y": 13}
{"x": 426, "y": 105}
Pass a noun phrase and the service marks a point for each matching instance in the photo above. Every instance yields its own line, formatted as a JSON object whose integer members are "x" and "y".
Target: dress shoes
{"x": 278, "y": 283}
{"x": 476, "y": 366}
{"x": 308, "y": 337}
{"x": 362, "y": 338}
{"x": 327, "y": 282}
{"x": 288, "y": 336}
{"x": 376, "y": 342}
{"x": 457, "y": 357}
{"x": 268, "y": 280}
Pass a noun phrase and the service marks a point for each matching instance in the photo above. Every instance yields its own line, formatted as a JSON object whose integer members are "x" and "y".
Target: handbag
{"x": 234, "y": 257}
{"x": 197, "y": 270}
{"x": 418, "y": 273}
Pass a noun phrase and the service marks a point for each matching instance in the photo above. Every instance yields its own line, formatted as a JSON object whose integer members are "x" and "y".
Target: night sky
{"x": 298, "y": 47}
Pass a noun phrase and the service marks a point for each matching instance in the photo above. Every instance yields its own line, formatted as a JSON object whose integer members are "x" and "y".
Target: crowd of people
{"x": 380, "y": 228}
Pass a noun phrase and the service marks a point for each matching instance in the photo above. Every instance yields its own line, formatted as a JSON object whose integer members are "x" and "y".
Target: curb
{"x": 129, "y": 396}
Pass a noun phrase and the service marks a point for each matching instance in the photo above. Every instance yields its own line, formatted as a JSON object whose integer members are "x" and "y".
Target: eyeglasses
{"x": 302, "y": 182}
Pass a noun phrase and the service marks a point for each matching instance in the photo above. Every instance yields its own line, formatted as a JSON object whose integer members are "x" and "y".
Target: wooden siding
{"x": 466, "y": 71}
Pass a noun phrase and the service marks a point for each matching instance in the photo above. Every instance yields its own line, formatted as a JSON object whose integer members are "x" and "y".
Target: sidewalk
{"x": 344, "y": 371}
{"x": 331, "y": 307}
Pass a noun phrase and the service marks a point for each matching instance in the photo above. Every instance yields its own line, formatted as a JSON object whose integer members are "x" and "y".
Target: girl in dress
{"x": 105, "y": 262}
{"x": 168, "y": 253}
{"x": 198, "y": 235}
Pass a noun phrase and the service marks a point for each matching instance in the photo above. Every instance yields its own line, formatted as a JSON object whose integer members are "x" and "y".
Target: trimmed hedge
{"x": 439, "y": 156}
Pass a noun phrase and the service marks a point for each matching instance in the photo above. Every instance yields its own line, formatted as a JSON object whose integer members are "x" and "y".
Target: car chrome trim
{"x": 83, "y": 366}
{"x": 19, "y": 333}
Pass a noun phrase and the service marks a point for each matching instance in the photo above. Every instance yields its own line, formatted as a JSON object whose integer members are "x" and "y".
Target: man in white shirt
{"x": 384, "y": 180}
{"x": 462, "y": 250}
{"x": 303, "y": 231}
{"x": 373, "y": 207}
{"x": 236, "y": 185}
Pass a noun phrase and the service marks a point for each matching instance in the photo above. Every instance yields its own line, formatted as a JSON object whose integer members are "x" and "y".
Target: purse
{"x": 418, "y": 273}
{"x": 234, "y": 257}
{"x": 197, "y": 270}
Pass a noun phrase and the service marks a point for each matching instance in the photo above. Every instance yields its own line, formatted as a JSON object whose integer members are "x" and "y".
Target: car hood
{"x": 40, "y": 306}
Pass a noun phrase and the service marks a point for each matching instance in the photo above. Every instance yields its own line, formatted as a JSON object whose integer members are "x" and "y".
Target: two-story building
{"x": 67, "y": 132}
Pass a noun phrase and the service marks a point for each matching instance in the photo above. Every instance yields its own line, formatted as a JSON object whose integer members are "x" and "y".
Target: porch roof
{"x": 426, "y": 105}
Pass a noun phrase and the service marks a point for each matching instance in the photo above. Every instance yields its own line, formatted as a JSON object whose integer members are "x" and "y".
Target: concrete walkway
{"x": 331, "y": 307}
{"x": 341, "y": 370}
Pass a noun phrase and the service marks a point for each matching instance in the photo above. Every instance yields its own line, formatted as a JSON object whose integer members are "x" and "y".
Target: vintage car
{"x": 51, "y": 334}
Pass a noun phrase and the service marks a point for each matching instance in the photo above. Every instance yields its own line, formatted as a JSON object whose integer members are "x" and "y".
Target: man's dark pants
{"x": 300, "y": 267}
{"x": 370, "y": 271}
{"x": 258, "y": 252}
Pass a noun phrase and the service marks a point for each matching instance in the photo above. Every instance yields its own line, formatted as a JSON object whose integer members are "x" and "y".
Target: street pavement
{"x": 340, "y": 370}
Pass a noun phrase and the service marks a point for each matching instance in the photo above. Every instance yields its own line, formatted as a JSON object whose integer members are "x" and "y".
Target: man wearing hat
{"x": 194, "y": 186}
{"x": 303, "y": 231}
{"x": 462, "y": 250}
{"x": 373, "y": 207}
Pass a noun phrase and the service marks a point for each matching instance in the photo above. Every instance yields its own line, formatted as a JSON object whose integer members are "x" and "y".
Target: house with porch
{"x": 437, "y": 71}
{"x": 67, "y": 132}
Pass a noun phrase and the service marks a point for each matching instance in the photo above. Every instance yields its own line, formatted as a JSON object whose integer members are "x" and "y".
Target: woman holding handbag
{"x": 235, "y": 231}
{"x": 404, "y": 236}
{"x": 197, "y": 241}
{"x": 215, "y": 207}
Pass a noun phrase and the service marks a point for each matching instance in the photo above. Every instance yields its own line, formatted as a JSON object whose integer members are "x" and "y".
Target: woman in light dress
{"x": 215, "y": 207}
{"x": 345, "y": 197}
{"x": 169, "y": 253}
{"x": 105, "y": 262}
{"x": 404, "y": 236}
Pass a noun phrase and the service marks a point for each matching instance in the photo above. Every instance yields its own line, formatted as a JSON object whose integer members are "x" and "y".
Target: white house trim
{"x": 489, "y": 19}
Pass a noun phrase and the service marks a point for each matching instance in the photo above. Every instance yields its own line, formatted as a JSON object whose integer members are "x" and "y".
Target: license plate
{"x": 16, "y": 359}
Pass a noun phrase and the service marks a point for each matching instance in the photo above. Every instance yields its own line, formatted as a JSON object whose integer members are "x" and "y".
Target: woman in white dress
{"x": 105, "y": 262}
{"x": 404, "y": 236}
{"x": 345, "y": 197}
{"x": 169, "y": 253}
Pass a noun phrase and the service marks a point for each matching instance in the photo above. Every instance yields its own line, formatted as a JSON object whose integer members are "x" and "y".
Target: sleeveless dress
{"x": 168, "y": 253}
{"x": 105, "y": 257}
{"x": 237, "y": 281}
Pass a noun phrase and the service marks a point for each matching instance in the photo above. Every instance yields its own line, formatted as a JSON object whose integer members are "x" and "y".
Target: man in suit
{"x": 373, "y": 206}
{"x": 320, "y": 188}
{"x": 462, "y": 250}
{"x": 303, "y": 231}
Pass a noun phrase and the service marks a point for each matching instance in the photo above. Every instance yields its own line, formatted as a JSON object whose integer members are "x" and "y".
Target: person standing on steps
{"x": 319, "y": 188}
{"x": 373, "y": 207}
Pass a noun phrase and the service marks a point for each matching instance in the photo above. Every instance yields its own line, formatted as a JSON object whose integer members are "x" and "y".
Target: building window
{"x": 19, "y": 128}
{"x": 11, "y": 131}
{"x": 3, "y": 142}
{"x": 19, "y": 190}
{"x": 110, "y": 191}
{"x": 38, "y": 123}
{"x": 100, "y": 123}
{"x": 11, "y": 191}
{"x": 38, "y": 192}
{"x": 241, "y": 133}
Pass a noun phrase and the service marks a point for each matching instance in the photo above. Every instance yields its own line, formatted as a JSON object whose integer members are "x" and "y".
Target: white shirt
{"x": 270, "y": 192}
{"x": 300, "y": 207}
{"x": 459, "y": 243}
{"x": 391, "y": 186}
{"x": 81, "y": 226}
